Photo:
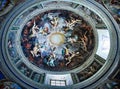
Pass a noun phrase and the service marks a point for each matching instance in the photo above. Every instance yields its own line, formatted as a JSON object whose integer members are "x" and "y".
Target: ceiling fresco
{"x": 59, "y": 44}
{"x": 57, "y": 40}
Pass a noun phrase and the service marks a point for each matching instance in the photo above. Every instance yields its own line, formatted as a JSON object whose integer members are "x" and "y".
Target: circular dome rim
{"x": 89, "y": 60}
{"x": 116, "y": 33}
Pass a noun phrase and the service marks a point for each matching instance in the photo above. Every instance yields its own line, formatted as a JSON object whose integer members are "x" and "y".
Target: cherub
{"x": 69, "y": 59}
{"x": 34, "y": 30}
{"x": 35, "y": 51}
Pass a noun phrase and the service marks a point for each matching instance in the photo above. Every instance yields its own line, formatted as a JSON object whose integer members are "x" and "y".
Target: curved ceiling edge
{"x": 113, "y": 59}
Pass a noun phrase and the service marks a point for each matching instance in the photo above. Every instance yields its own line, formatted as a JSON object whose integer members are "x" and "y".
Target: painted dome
{"x": 59, "y": 44}
{"x": 57, "y": 40}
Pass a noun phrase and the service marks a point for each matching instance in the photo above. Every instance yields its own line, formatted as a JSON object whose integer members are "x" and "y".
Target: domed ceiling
{"x": 57, "y": 40}
{"x": 59, "y": 44}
